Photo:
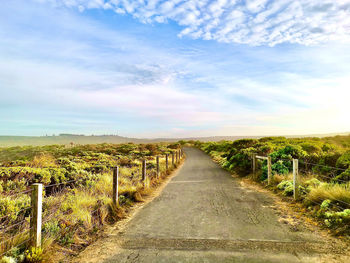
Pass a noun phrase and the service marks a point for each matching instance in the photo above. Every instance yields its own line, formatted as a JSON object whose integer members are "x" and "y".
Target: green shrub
{"x": 344, "y": 176}
{"x": 12, "y": 207}
{"x": 289, "y": 152}
{"x": 280, "y": 167}
{"x": 334, "y": 219}
{"x": 286, "y": 186}
{"x": 33, "y": 255}
{"x": 344, "y": 161}
{"x": 240, "y": 163}
{"x": 244, "y": 143}
{"x": 51, "y": 228}
{"x": 311, "y": 147}
{"x": 325, "y": 204}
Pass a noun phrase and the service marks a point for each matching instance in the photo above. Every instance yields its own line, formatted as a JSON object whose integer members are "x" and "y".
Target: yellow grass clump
{"x": 333, "y": 192}
{"x": 44, "y": 160}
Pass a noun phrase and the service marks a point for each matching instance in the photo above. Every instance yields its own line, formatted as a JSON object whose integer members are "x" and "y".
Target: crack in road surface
{"x": 205, "y": 215}
{"x": 221, "y": 244}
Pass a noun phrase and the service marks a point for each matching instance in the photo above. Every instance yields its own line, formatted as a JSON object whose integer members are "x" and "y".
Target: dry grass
{"x": 84, "y": 210}
{"x": 79, "y": 207}
{"x": 10, "y": 241}
{"x": 43, "y": 160}
{"x": 277, "y": 178}
{"x": 103, "y": 185}
{"x": 333, "y": 192}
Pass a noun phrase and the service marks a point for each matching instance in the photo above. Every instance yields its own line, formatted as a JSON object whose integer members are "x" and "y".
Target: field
{"x": 324, "y": 168}
{"x": 77, "y": 193}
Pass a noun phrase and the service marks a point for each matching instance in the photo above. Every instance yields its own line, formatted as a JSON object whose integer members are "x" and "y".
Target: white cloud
{"x": 77, "y": 67}
{"x": 253, "y": 22}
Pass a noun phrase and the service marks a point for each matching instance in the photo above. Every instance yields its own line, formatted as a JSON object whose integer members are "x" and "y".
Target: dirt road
{"x": 205, "y": 215}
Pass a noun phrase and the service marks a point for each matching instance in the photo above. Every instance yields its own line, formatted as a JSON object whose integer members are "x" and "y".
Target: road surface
{"x": 205, "y": 215}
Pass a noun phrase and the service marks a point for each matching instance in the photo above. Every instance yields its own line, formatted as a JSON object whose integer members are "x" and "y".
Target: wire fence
{"x": 16, "y": 234}
{"x": 306, "y": 167}
{"x": 13, "y": 241}
{"x": 328, "y": 175}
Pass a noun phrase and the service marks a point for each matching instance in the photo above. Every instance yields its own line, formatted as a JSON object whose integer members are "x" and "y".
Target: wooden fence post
{"x": 167, "y": 161}
{"x": 254, "y": 164}
{"x": 172, "y": 158}
{"x": 269, "y": 170}
{"x": 36, "y": 217}
{"x": 295, "y": 178}
{"x": 157, "y": 158}
{"x": 115, "y": 185}
{"x": 176, "y": 155}
{"x": 143, "y": 170}
{"x": 306, "y": 166}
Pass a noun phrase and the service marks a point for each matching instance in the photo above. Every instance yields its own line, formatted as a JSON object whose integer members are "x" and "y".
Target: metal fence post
{"x": 157, "y": 158}
{"x": 143, "y": 170}
{"x": 36, "y": 218}
{"x": 115, "y": 185}
{"x": 269, "y": 170}
{"x": 295, "y": 178}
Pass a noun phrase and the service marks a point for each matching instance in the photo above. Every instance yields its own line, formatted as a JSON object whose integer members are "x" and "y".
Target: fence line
{"x": 326, "y": 166}
{"x": 296, "y": 191}
{"x": 332, "y": 178}
{"x": 36, "y": 218}
{"x": 302, "y": 161}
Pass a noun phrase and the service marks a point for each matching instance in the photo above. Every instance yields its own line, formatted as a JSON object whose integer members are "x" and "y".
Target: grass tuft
{"x": 333, "y": 192}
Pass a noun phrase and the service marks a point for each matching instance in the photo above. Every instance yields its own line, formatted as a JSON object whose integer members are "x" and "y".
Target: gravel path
{"x": 205, "y": 215}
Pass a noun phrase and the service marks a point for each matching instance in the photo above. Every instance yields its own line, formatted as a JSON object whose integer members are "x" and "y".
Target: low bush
{"x": 324, "y": 168}
{"x": 286, "y": 186}
{"x": 77, "y": 197}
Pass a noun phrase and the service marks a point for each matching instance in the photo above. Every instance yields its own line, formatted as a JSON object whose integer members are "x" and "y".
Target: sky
{"x": 174, "y": 68}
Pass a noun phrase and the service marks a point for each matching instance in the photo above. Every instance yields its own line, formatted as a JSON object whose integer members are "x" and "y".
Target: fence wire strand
{"x": 332, "y": 178}
{"x": 1, "y": 218}
{"x": 19, "y": 193}
{"x": 63, "y": 183}
{"x": 4, "y": 230}
{"x": 20, "y": 244}
{"x": 13, "y": 237}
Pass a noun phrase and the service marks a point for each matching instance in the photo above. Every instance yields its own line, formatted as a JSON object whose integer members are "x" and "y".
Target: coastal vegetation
{"x": 77, "y": 194}
{"x": 324, "y": 171}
